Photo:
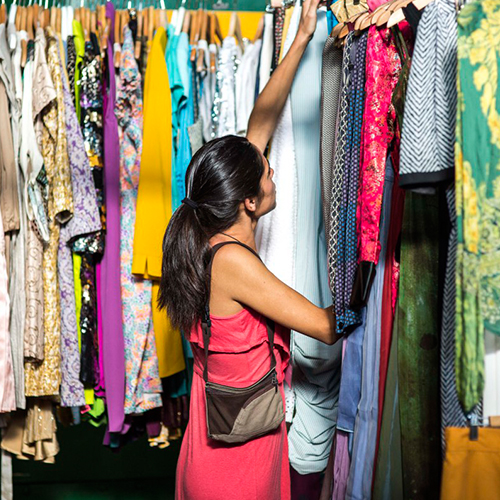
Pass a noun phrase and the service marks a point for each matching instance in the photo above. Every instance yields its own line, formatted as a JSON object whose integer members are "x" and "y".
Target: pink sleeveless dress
{"x": 213, "y": 470}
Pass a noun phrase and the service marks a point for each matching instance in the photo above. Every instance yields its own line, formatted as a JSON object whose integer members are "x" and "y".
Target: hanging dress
{"x": 142, "y": 379}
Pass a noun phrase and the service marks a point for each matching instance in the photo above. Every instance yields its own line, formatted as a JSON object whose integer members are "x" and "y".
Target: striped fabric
{"x": 338, "y": 167}
{"x": 428, "y": 136}
{"x": 347, "y": 239}
{"x": 331, "y": 80}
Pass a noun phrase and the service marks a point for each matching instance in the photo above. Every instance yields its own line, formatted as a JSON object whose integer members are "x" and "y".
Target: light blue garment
{"x": 316, "y": 366}
{"x": 359, "y": 484}
{"x": 186, "y": 118}
{"x": 177, "y": 93}
{"x": 350, "y": 383}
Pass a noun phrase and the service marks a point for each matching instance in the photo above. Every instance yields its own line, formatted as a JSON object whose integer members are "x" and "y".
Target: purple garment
{"x": 341, "y": 465}
{"x": 85, "y": 220}
{"x": 99, "y": 389}
{"x": 110, "y": 292}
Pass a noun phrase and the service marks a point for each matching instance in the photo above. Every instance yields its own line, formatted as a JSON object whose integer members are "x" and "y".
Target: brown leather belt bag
{"x": 238, "y": 414}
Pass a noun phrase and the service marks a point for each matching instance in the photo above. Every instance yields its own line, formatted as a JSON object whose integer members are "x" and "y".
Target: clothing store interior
{"x": 383, "y": 213}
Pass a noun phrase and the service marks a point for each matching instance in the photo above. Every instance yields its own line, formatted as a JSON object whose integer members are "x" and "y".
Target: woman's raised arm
{"x": 270, "y": 102}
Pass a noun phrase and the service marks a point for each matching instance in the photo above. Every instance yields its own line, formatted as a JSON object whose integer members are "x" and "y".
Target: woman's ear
{"x": 251, "y": 204}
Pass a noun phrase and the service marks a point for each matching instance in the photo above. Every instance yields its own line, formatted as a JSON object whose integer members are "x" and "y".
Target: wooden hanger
{"x": 374, "y": 16}
{"x": 19, "y": 15}
{"x": 59, "y": 19}
{"x": 359, "y": 20}
{"x": 260, "y": 30}
{"x": 24, "y": 42}
{"x": 200, "y": 61}
{"x": 339, "y": 11}
{"x": 186, "y": 21}
{"x": 349, "y": 25}
{"x": 151, "y": 15}
{"x": 217, "y": 29}
{"x": 420, "y": 4}
{"x": 138, "y": 41}
{"x": 235, "y": 29}
{"x": 195, "y": 33}
{"x": 93, "y": 24}
{"x": 3, "y": 12}
{"x": 398, "y": 14}
{"x": 117, "y": 49}
{"x": 31, "y": 21}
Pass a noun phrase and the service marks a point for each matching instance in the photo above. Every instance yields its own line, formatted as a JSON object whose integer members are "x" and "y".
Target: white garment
{"x": 491, "y": 394}
{"x": 266, "y": 54}
{"x": 17, "y": 257}
{"x": 276, "y": 231}
{"x": 11, "y": 27}
{"x": 246, "y": 80}
{"x": 208, "y": 90}
{"x": 8, "y": 79}
{"x": 67, "y": 22}
{"x": 224, "y": 108}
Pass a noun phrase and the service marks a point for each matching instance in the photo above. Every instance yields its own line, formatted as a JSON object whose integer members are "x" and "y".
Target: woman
{"x": 229, "y": 186}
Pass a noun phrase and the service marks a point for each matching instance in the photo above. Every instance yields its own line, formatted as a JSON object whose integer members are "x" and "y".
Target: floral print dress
{"x": 143, "y": 385}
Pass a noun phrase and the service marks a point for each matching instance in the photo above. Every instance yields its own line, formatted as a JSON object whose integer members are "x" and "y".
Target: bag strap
{"x": 206, "y": 323}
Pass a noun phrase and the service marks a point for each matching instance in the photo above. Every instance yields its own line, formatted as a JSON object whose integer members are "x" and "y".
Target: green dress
{"x": 477, "y": 162}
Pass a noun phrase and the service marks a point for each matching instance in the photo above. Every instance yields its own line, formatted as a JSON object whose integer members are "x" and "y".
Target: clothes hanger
{"x": 151, "y": 19}
{"x": 398, "y": 15}
{"x": 372, "y": 18}
{"x": 235, "y": 29}
{"x": 93, "y": 22}
{"x": 187, "y": 21}
{"x": 260, "y": 30}
{"x": 3, "y": 12}
{"x": 359, "y": 21}
{"x": 218, "y": 30}
{"x": 350, "y": 24}
{"x": 35, "y": 13}
{"x": 163, "y": 14}
{"x": 24, "y": 42}
{"x": 200, "y": 61}
{"x": 30, "y": 20}
{"x": 420, "y": 4}
{"x": 192, "y": 28}
{"x": 138, "y": 40}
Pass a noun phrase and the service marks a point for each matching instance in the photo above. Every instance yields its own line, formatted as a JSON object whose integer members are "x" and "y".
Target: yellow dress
{"x": 154, "y": 199}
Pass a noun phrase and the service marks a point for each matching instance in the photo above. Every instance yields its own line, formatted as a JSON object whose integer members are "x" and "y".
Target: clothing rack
{"x": 218, "y": 5}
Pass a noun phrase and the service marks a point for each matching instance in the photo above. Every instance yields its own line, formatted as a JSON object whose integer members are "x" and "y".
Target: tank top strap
{"x": 206, "y": 322}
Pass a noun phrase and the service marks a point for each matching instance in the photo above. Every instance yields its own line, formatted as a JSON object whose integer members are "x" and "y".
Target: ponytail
{"x": 221, "y": 175}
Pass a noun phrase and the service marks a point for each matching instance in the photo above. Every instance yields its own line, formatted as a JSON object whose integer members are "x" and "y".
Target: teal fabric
{"x": 186, "y": 118}
{"x": 177, "y": 93}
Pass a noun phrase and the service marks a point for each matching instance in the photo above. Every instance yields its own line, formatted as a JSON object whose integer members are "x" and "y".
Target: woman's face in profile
{"x": 268, "y": 187}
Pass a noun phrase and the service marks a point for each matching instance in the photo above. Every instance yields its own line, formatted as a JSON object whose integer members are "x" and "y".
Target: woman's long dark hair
{"x": 220, "y": 176}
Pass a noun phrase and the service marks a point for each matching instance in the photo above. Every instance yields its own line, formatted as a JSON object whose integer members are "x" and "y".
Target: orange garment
{"x": 154, "y": 199}
{"x": 471, "y": 468}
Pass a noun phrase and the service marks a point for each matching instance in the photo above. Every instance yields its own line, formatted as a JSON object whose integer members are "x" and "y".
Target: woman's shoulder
{"x": 236, "y": 257}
